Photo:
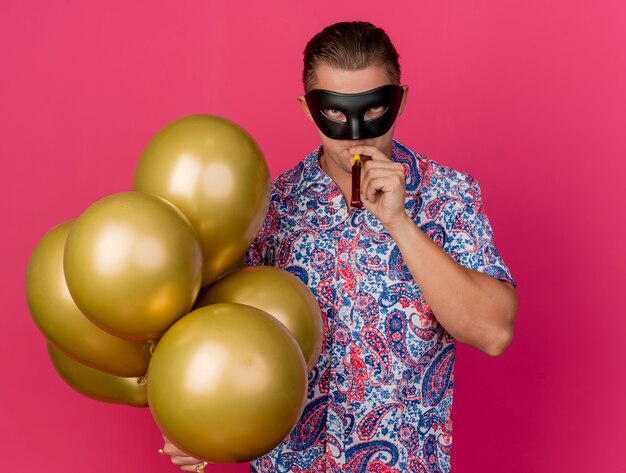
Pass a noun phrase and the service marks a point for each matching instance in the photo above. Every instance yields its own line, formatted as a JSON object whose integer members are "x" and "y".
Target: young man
{"x": 398, "y": 280}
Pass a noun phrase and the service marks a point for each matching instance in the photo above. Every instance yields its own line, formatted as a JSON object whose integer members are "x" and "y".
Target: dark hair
{"x": 350, "y": 45}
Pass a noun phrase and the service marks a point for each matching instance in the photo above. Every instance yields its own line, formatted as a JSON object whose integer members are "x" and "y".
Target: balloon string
{"x": 143, "y": 380}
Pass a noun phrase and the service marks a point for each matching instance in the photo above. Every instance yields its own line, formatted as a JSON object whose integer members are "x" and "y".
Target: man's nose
{"x": 355, "y": 128}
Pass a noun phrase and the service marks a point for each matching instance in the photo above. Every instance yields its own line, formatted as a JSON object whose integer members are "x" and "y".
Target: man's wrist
{"x": 399, "y": 226}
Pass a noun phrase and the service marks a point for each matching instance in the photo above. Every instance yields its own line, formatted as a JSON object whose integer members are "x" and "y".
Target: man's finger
{"x": 371, "y": 151}
{"x": 171, "y": 450}
{"x": 190, "y": 467}
{"x": 376, "y": 185}
{"x": 382, "y": 170}
{"x": 184, "y": 460}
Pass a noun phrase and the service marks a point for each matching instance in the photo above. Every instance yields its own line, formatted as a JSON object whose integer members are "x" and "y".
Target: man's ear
{"x": 305, "y": 108}
{"x": 404, "y": 98}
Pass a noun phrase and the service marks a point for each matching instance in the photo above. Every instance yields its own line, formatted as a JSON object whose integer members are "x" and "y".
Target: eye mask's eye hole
{"x": 339, "y": 116}
{"x": 375, "y": 112}
{"x": 334, "y": 114}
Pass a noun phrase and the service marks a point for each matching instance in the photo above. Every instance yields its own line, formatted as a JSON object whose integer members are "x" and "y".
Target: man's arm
{"x": 473, "y": 307}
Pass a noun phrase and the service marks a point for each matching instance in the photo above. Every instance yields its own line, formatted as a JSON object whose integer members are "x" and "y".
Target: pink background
{"x": 528, "y": 97}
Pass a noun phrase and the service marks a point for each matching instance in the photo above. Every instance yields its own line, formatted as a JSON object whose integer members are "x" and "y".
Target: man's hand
{"x": 179, "y": 458}
{"x": 383, "y": 186}
{"x": 473, "y": 307}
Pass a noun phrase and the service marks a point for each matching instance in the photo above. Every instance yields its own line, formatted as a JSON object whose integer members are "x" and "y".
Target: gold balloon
{"x": 133, "y": 264}
{"x": 58, "y": 318}
{"x": 227, "y": 383}
{"x": 212, "y": 170}
{"x": 96, "y": 384}
{"x": 280, "y": 294}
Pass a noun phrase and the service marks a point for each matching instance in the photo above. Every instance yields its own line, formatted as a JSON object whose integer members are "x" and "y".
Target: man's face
{"x": 351, "y": 82}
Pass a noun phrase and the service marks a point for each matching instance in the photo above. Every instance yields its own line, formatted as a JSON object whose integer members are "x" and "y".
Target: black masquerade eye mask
{"x": 353, "y": 124}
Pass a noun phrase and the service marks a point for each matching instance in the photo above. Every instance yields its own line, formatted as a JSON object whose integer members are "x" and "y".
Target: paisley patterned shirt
{"x": 380, "y": 397}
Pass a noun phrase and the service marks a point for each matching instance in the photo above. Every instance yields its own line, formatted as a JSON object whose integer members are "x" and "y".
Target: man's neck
{"x": 342, "y": 178}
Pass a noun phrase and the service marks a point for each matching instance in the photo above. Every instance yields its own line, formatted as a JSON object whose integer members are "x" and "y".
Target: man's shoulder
{"x": 290, "y": 182}
{"x": 429, "y": 175}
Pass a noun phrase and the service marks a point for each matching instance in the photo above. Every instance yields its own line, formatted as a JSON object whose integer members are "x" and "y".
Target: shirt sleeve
{"x": 469, "y": 237}
{"x": 259, "y": 252}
